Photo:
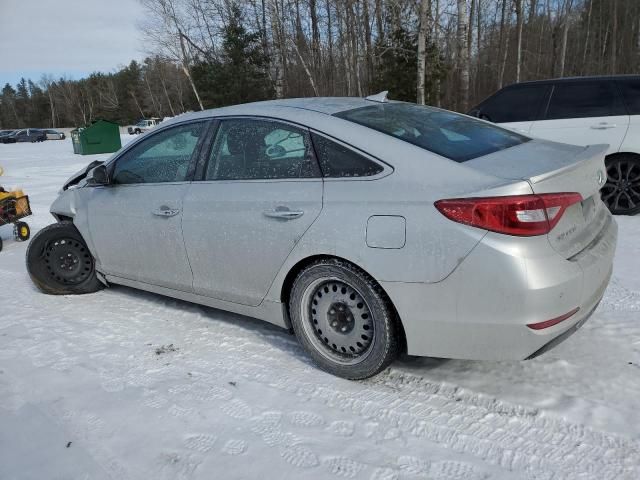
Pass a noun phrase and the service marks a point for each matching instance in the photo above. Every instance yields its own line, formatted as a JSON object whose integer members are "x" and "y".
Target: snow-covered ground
{"x": 128, "y": 385}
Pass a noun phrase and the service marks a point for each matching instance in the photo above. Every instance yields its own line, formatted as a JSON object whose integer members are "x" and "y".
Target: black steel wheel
{"x": 68, "y": 260}
{"x": 59, "y": 261}
{"x": 621, "y": 192}
{"x": 344, "y": 319}
{"x": 340, "y": 318}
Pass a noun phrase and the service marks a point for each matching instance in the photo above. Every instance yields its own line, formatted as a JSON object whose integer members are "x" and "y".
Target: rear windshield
{"x": 448, "y": 134}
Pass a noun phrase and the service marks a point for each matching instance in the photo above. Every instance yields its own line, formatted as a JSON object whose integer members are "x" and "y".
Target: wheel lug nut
{"x": 332, "y": 311}
{"x": 344, "y": 329}
{"x": 334, "y": 324}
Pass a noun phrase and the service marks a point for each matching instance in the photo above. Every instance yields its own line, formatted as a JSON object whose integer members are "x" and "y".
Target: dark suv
{"x": 580, "y": 111}
{"x": 26, "y": 135}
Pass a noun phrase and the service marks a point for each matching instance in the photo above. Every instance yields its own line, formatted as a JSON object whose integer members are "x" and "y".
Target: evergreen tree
{"x": 239, "y": 75}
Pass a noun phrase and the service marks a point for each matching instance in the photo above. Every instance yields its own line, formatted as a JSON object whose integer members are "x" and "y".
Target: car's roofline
{"x": 576, "y": 79}
{"x": 284, "y": 109}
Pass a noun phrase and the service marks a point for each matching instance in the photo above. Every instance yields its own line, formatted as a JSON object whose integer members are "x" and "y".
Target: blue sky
{"x": 67, "y": 37}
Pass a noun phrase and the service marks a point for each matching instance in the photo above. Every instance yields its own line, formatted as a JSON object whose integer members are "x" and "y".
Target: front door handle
{"x": 283, "y": 213}
{"x": 165, "y": 211}
{"x": 603, "y": 126}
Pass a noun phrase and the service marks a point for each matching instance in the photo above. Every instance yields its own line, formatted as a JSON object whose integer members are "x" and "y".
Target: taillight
{"x": 522, "y": 215}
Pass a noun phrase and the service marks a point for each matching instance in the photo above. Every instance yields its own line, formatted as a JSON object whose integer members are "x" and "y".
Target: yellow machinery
{"x": 15, "y": 206}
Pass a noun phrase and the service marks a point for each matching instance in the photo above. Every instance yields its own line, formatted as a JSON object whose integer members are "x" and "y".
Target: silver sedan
{"x": 369, "y": 227}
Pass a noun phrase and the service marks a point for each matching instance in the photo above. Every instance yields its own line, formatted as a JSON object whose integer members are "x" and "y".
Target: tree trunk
{"x": 503, "y": 44}
{"x": 53, "y": 108}
{"x": 565, "y": 34}
{"x": 315, "y": 34}
{"x": 425, "y": 7}
{"x": 463, "y": 55}
{"x": 187, "y": 71}
{"x": 436, "y": 39}
{"x": 614, "y": 37}
{"x": 586, "y": 39}
{"x": 330, "y": 64}
{"x": 277, "y": 57}
{"x": 367, "y": 41}
{"x": 306, "y": 68}
{"x": 379, "y": 24}
{"x": 519, "y": 23}
{"x": 472, "y": 13}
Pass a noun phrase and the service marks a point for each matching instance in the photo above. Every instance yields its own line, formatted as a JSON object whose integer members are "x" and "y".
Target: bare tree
{"x": 519, "y": 23}
{"x": 463, "y": 54}
{"x": 425, "y": 10}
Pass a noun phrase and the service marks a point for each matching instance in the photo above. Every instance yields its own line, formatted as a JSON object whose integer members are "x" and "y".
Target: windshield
{"x": 448, "y": 134}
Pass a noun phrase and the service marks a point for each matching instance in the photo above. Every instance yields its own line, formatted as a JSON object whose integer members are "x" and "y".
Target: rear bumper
{"x": 481, "y": 311}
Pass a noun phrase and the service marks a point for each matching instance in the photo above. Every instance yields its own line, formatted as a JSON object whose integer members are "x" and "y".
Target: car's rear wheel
{"x": 621, "y": 192}
{"x": 344, "y": 319}
{"x": 59, "y": 262}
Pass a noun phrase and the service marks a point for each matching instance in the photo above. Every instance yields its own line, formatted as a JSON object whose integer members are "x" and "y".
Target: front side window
{"x": 583, "y": 100}
{"x": 631, "y": 93}
{"x": 456, "y": 137}
{"x": 515, "y": 104}
{"x": 164, "y": 157}
{"x": 337, "y": 161}
{"x": 248, "y": 149}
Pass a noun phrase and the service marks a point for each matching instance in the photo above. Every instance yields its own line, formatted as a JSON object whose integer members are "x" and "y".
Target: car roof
{"x": 286, "y": 109}
{"x": 576, "y": 79}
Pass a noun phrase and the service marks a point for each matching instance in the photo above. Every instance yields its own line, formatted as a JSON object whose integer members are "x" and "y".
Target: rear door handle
{"x": 603, "y": 126}
{"x": 165, "y": 211}
{"x": 283, "y": 213}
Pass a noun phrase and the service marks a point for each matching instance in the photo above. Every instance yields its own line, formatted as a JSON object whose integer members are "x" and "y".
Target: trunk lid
{"x": 551, "y": 167}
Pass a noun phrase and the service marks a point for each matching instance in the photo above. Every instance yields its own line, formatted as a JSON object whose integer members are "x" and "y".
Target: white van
{"x": 580, "y": 111}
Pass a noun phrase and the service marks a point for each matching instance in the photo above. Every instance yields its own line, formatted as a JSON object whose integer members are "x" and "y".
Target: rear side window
{"x": 338, "y": 161}
{"x": 584, "y": 99}
{"x": 249, "y": 149}
{"x": 631, "y": 94}
{"x": 453, "y": 136}
{"x": 515, "y": 104}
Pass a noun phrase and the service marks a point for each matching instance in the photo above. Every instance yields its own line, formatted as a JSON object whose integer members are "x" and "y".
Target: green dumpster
{"x": 102, "y": 136}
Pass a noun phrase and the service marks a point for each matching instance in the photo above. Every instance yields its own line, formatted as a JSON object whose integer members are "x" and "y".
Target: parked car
{"x": 54, "y": 135}
{"x": 367, "y": 226}
{"x": 144, "y": 125}
{"x": 5, "y": 133}
{"x": 581, "y": 111}
{"x": 27, "y": 135}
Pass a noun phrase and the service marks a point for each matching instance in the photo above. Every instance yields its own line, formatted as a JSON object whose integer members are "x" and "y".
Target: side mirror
{"x": 475, "y": 113}
{"x": 97, "y": 176}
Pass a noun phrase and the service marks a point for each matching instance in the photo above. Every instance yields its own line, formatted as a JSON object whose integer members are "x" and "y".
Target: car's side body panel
{"x": 235, "y": 246}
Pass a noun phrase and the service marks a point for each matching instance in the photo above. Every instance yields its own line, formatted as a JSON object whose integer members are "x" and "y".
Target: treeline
{"x": 450, "y": 53}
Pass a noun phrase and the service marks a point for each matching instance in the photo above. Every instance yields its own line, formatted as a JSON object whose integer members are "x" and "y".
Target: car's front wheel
{"x": 59, "y": 262}
{"x": 621, "y": 193}
{"x": 344, "y": 319}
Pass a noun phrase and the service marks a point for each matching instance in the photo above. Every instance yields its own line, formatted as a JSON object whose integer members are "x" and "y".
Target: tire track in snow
{"x": 514, "y": 437}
